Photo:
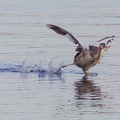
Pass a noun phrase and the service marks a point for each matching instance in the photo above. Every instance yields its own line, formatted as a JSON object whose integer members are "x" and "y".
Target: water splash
{"x": 42, "y": 67}
{"x": 54, "y": 69}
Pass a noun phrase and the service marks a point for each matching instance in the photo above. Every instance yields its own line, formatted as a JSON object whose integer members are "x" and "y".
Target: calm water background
{"x": 26, "y": 43}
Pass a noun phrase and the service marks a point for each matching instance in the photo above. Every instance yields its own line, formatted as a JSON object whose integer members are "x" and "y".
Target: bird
{"x": 85, "y": 58}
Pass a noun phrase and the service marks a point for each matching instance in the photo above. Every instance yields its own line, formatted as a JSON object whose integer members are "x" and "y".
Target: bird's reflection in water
{"x": 86, "y": 89}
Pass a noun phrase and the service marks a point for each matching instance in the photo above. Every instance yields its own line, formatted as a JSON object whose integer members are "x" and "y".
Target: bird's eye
{"x": 103, "y": 44}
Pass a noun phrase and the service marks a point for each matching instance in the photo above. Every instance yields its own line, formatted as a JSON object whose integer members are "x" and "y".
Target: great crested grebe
{"x": 85, "y": 57}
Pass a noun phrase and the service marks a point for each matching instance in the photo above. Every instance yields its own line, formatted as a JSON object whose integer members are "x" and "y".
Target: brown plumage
{"x": 85, "y": 58}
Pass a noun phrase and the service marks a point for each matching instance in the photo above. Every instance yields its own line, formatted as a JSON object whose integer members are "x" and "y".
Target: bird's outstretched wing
{"x": 61, "y": 31}
{"x": 105, "y": 40}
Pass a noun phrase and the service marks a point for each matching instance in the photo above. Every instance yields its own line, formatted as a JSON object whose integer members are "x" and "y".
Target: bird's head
{"x": 103, "y": 46}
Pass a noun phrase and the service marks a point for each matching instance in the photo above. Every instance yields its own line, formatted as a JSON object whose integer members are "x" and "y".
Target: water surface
{"x": 27, "y": 46}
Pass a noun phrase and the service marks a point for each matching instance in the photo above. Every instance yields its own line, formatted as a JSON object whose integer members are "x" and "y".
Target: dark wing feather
{"x": 61, "y": 31}
{"x": 105, "y": 40}
{"x": 57, "y": 29}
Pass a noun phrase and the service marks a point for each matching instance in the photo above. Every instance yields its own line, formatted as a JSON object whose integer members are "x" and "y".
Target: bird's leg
{"x": 66, "y": 65}
{"x": 85, "y": 73}
{"x": 89, "y": 74}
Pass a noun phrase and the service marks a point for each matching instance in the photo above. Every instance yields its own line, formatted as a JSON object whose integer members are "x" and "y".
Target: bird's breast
{"x": 85, "y": 59}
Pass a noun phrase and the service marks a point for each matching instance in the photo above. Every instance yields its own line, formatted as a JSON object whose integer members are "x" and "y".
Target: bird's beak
{"x": 106, "y": 47}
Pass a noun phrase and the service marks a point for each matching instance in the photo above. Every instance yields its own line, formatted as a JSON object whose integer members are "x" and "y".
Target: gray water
{"x": 27, "y": 47}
